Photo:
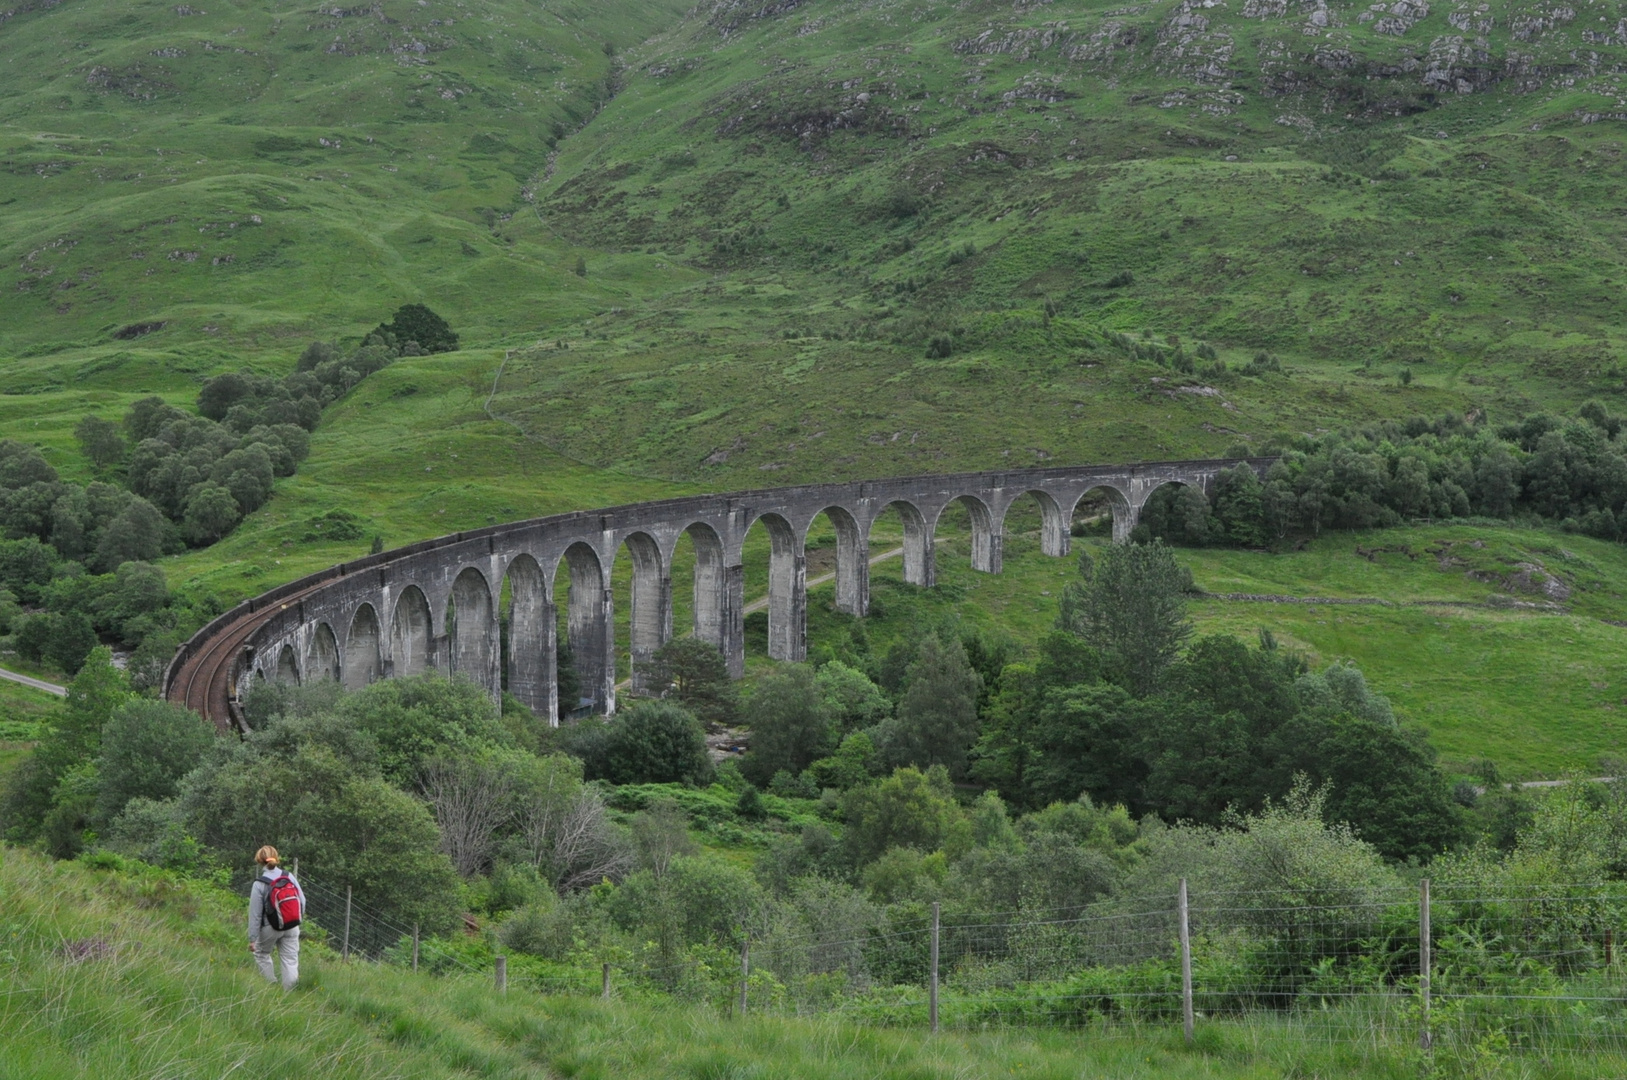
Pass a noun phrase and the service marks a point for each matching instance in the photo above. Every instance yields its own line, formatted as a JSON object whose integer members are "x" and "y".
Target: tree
{"x": 1380, "y": 780}
{"x": 100, "y": 440}
{"x": 26, "y": 566}
{"x": 72, "y": 738}
{"x": 310, "y": 786}
{"x": 562, "y": 825}
{"x": 1130, "y": 607}
{"x": 220, "y": 393}
{"x": 139, "y": 589}
{"x": 135, "y": 535}
{"x": 70, "y": 640}
{"x": 211, "y": 511}
{"x": 247, "y": 473}
{"x": 415, "y": 322}
{"x": 22, "y": 465}
{"x": 414, "y": 721}
{"x": 910, "y": 808}
{"x": 694, "y": 673}
{"x": 1240, "y": 507}
{"x": 471, "y": 798}
{"x": 315, "y": 355}
{"x": 853, "y": 699}
{"x": 661, "y": 834}
{"x": 147, "y": 747}
{"x": 147, "y": 417}
{"x": 791, "y": 725}
{"x": 937, "y": 716}
{"x": 650, "y": 742}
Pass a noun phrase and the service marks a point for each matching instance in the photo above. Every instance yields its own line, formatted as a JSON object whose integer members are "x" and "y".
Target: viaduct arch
{"x": 437, "y": 604}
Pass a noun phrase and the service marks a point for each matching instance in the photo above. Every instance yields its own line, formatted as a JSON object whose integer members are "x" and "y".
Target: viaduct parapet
{"x": 434, "y": 605}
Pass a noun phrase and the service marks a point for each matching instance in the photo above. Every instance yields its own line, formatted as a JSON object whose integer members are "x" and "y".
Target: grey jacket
{"x": 257, "y": 901}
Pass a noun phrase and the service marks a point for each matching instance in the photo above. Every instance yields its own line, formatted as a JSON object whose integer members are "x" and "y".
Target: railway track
{"x": 205, "y": 680}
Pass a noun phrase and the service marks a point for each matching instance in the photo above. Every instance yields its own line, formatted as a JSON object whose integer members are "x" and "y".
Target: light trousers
{"x": 283, "y": 945}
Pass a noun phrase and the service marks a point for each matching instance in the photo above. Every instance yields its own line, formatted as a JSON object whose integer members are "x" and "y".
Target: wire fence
{"x": 1454, "y": 972}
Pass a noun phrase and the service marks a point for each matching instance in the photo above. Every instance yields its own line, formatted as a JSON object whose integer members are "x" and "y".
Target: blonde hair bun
{"x": 267, "y": 856}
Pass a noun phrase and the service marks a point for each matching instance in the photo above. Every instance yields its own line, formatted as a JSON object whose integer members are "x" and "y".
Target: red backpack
{"x": 281, "y": 902}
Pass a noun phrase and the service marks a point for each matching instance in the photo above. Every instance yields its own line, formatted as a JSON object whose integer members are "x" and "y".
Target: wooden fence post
{"x": 1186, "y": 965}
{"x": 344, "y": 952}
{"x": 415, "y": 948}
{"x": 745, "y": 972}
{"x": 932, "y": 990}
{"x": 605, "y": 990}
{"x": 1425, "y": 1038}
{"x": 502, "y": 974}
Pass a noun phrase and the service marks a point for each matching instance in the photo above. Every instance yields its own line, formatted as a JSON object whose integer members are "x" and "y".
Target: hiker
{"x": 276, "y": 906}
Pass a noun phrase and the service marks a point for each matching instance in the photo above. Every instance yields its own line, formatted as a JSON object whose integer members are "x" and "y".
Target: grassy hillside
{"x": 779, "y": 209}
{"x": 134, "y": 973}
{"x": 251, "y": 172}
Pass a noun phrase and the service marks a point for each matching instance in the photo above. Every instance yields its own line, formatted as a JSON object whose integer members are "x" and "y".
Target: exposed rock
{"x": 1531, "y": 27}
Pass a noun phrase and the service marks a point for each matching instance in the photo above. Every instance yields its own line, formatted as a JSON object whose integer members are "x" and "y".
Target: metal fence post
{"x": 415, "y": 948}
{"x": 1424, "y": 1036}
{"x": 605, "y": 991}
{"x": 932, "y": 990}
{"x": 344, "y": 951}
{"x": 502, "y": 973}
{"x": 745, "y": 971}
{"x": 1186, "y": 966}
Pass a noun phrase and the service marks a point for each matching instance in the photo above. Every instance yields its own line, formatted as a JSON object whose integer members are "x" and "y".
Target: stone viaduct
{"x": 434, "y": 605}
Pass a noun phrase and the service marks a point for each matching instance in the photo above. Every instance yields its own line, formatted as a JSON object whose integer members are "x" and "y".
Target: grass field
{"x": 131, "y": 973}
{"x": 778, "y": 210}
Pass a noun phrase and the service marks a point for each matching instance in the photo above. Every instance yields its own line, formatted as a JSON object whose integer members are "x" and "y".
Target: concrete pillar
{"x": 987, "y": 542}
{"x": 607, "y": 651}
{"x": 988, "y": 551}
{"x": 531, "y": 661}
{"x": 1125, "y": 518}
{"x": 1054, "y": 539}
{"x": 412, "y": 634}
{"x": 362, "y": 661}
{"x": 787, "y": 597}
{"x": 650, "y": 621}
{"x": 852, "y": 563}
{"x": 711, "y": 585}
{"x": 732, "y": 620}
{"x": 920, "y": 562}
{"x": 592, "y": 630}
{"x": 853, "y": 574}
{"x": 477, "y": 637}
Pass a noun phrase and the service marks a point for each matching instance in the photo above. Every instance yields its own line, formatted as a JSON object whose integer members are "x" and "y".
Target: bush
{"x": 651, "y": 742}
{"x": 147, "y": 747}
{"x": 416, "y": 323}
{"x": 791, "y": 724}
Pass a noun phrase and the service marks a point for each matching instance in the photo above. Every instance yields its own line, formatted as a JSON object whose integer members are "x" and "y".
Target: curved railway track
{"x": 205, "y": 679}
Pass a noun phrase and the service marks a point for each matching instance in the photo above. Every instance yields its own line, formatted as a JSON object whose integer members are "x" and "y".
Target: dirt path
{"x": 759, "y": 605}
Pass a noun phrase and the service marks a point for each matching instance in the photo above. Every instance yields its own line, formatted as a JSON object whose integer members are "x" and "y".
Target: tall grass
{"x": 125, "y": 971}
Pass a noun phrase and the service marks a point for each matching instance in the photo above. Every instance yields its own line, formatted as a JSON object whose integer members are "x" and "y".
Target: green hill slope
{"x": 254, "y": 171}
{"x": 135, "y": 973}
{"x": 818, "y": 240}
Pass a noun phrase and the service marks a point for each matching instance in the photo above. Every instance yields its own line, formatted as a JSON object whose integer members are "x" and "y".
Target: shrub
{"x": 651, "y": 742}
